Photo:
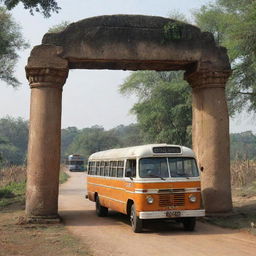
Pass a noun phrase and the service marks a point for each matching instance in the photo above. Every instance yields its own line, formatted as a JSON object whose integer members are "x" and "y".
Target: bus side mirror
{"x": 201, "y": 168}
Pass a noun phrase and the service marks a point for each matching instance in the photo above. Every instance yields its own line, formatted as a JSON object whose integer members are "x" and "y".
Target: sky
{"x": 91, "y": 97}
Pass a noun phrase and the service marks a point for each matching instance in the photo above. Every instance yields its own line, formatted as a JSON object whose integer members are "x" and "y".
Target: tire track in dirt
{"x": 113, "y": 236}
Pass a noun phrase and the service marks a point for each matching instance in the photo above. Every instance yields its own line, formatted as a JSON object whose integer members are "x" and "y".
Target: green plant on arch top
{"x": 174, "y": 30}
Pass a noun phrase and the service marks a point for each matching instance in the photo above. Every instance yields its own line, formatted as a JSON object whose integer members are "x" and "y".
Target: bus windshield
{"x": 76, "y": 162}
{"x": 165, "y": 167}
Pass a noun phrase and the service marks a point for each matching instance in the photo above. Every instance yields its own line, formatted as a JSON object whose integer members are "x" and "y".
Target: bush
{"x": 243, "y": 173}
{"x": 6, "y": 193}
{"x": 13, "y": 174}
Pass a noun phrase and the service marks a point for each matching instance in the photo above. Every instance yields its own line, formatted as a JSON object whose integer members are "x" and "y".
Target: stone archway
{"x": 128, "y": 42}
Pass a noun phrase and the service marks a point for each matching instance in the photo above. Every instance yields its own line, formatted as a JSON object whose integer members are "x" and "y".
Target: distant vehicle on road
{"x": 158, "y": 181}
{"x": 75, "y": 163}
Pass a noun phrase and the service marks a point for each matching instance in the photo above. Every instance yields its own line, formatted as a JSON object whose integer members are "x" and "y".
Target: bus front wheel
{"x": 136, "y": 222}
{"x": 101, "y": 210}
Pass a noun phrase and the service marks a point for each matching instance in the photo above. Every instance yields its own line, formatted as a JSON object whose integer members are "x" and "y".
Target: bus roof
{"x": 75, "y": 156}
{"x": 150, "y": 150}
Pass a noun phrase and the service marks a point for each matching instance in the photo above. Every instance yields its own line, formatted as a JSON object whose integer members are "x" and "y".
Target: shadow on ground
{"x": 162, "y": 227}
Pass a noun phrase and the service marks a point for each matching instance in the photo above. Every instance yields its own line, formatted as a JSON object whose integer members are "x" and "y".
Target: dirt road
{"x": 112, "y": 236}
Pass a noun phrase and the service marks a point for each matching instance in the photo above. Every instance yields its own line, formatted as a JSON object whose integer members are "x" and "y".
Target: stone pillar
{"x": 210, "y": 136}
{"x": 43, "y": 166}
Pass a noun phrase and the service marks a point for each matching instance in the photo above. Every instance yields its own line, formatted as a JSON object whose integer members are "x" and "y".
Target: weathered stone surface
{"x": 45, "y": 67}
{"x": 44, "y": 151}
{"x": 46, "y": 56}
{"x": 47, "y": 74}
{"x": 129, "y": 42}
{"x": 210, "y": 137}
{"x": 136, "y": 42}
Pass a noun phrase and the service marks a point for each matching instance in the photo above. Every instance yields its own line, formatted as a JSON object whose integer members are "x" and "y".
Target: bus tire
{"x": 101, "y": 210}
{"x": 136, "y": 222}
{"x": 189, "y": 223}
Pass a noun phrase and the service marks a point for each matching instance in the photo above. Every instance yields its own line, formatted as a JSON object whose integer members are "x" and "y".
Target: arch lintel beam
{"x": 129, "y": 64}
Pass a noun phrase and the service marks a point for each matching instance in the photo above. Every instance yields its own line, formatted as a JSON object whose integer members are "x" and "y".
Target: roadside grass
{"x": 31, "y": 239}
{"x": 11, "y": 194}
{"x": 246, "y": 191}
{"x": 13, "y": 184}
{"x": 243, "y": 217}
{"x": 63, "y": 176}
{"x": 36, "y": 240}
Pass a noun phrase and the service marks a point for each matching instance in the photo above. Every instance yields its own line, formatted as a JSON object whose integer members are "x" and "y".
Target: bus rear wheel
{"x": 136, "y": 222}
{"x": 101, "y": 210}
{"x": 189, "y": 223}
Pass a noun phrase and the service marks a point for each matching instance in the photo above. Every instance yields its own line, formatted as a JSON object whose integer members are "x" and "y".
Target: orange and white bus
{"x": 155, "y": 181}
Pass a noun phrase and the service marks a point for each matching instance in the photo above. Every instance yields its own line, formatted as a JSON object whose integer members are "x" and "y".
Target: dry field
{"x": 12, "y": 174}
{"x": 35, "y": 240}
{"x": 243, "y": 180}
{"x": 55, "y": 240}
{"x": 28, "y": 239}
{"x": 243, "y": 177}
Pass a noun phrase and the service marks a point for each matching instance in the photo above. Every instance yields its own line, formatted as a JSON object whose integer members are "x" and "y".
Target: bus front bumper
{"x": 171, "y": 214}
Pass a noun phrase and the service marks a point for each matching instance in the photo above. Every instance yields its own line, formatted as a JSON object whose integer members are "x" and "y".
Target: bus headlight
{"x": 150, "y": 200}
{"x": 192, "y": 198}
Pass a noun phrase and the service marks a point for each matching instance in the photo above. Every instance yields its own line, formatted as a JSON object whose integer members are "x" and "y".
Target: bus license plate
{"x": 171, "y": 214}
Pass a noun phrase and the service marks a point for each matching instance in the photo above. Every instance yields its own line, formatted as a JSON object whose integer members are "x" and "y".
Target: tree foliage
{"x": 178, "y": 16}
{"x": 59, "y": 27}
{"x": 233, "y": 24}
{"x": 46, "y": 7}
{"x": 128, "y": 135}
{"x": 13, "y": 140}
{"x": 243, "y": 146}
{"x": 67, "y": 137}
{"x": 89, "y": 140}
{"x": 11, "y": 41}
{"x": 2, "y": 142}
{"x": 163, "y": 109}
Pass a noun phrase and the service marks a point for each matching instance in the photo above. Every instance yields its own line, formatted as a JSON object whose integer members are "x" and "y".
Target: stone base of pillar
{"x": 54, "y": 219}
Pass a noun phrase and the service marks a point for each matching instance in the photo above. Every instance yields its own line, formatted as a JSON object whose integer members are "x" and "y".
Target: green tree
{"x": 59, "y": 27}
{"x": 11, "y": 155}
{"x": 2, "y": 142}
{"x": 91, "y": 140}
{"x": 46, "y": 7}
{"x": 129, "y": 135}
{"x": 14, "y": 133}
{"x": 243, "y": 146}
{"x": 67, "y": 137}
{"x": 163, "y": 109}
{"x": 11, "y": 41}
{"x": 15, "y": 130}
{"x": 178, "y": 16}
{"x": 233, "y": 24}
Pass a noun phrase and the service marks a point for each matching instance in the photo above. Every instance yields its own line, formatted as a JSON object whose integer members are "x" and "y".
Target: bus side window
{"x": 130, "y": 168}
{"x": 90, "y": 168}
{"x": 110, "y": 169}
{"x": 93, "y": 168}
{"x": 101, "y": 168}
{"x": 114, "y": 173}
{"x": 120, "y": 168}
{"x": 97, "y": 168}
{"x": 106, "y": 168}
